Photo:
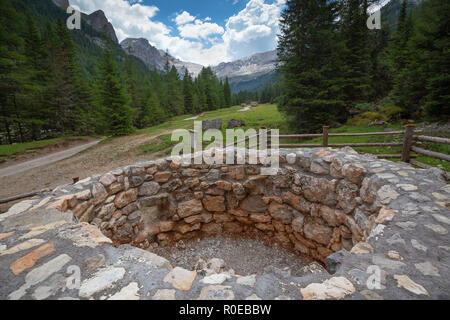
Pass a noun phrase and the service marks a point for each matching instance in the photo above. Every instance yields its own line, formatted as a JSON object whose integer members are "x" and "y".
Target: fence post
{"x": 408, "y": 142}
{"x": 325, "y": 136}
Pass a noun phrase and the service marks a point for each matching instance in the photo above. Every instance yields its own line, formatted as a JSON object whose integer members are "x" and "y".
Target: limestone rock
{"x": 180, "y": 278}
{"x": 405, "y": 282}
{"x": 332, "y": 289}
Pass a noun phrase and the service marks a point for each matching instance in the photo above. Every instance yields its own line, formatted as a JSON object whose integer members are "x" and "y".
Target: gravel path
{"x": 39, "y": 162}
{"x": 244, "y": 256}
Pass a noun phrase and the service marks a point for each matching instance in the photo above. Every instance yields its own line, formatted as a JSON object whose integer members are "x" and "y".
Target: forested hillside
{"x": 336, "y": 67}
{"x": 55, "y": 81}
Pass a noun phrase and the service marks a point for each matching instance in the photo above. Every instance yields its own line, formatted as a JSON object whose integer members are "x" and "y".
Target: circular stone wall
{"x": 363, "y": 216}
{"x": 318, "y": 203}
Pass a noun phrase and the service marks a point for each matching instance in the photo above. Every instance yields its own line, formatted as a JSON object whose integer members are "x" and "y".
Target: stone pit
{"x": 346, "y": 211}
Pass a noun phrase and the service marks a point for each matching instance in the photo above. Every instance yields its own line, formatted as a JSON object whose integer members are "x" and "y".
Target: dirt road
{"x": 98, "y": 159}
{"x": 42, "y": 161}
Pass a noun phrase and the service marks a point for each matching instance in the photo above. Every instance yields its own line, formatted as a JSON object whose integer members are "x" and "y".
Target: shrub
{"x": 366, "y": 118}
{"x": 392, "y": 112}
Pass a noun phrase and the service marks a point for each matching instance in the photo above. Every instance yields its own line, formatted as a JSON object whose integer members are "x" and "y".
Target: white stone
{"x": 130, "y": 292}
{"x": 405, "y": 282}
{"x": 291, "y": 158}
{"x": 333, "y": 289}
{"x": 441, "y": 219}
{"x": 440, "y": 196}
{"x": 407, "y": 187}
{"x": 416, "y": 244}
{"x": 427, "y": 269}
{"x": 247, "y": 281}
{"x": 16, "y": 209}
{"x": 23, "y": 246}
{"x": 215, "y": 279}
{"x": 386, "y": 194}
{"x": 102, "y": 280}
{"x": 180, "y": 278}
{"x": 437, "y": 228}
{"x": 40, "y": 274}
{"x": 164, "y": 294}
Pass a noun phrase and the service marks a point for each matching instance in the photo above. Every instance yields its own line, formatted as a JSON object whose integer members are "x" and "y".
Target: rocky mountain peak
{"x": 100, "y": 23}
{"x": 155, "y": 58}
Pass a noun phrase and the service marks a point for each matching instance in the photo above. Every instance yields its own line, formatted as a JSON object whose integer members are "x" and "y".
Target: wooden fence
{"x": 410, "y": 143}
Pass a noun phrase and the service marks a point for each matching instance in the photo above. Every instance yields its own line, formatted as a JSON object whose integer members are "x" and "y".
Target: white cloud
{"x": 252, "y": 30}
{"x": 184, "y": 17}
{"x": 199, "y": 30}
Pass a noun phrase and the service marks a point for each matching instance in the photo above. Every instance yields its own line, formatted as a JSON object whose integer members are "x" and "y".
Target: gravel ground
{"x": 244, "y": 256}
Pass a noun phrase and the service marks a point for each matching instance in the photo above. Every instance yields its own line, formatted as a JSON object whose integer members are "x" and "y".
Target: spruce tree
{"x": 227, "y": 93}
{"x": 188, "y": 93}
{"x": 113, "y": 98}
{"x": 306, "y": 46}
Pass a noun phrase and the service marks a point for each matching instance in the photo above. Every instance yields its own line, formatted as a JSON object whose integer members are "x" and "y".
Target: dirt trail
{"x": 39, "y": 162}
{"x": 101, "y": 158}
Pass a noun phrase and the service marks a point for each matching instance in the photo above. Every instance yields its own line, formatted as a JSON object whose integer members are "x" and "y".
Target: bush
{"x": 366, "y": 118}
{"x": 392, "y": 112}
{"x": 365, "y": 107}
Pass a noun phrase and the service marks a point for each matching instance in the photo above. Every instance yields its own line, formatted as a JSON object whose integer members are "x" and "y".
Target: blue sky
{"x": 202, "y": 31}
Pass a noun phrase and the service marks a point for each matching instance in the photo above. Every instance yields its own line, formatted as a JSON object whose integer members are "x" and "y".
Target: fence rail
{"x": 410, "y": 143}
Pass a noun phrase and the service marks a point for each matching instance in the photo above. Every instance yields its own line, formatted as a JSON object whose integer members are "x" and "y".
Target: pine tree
{"x": 428, "y": 72}
{"x": 306, "y": 46}
{"x": 188, "y": 93}
{"x": 354, "y": 57}
{"x": 112, "y": 97}
{"x": 227, "y": 93}
{"x": 10, "y": 62}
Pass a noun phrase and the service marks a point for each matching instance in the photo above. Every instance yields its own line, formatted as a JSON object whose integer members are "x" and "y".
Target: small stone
{"x": 128, "y": 293}
{"x": 108, "y": 179}
{"x": 371, "y": 295}
{"x": 102, "y": 280}
{"x": 95, "y": 262}
{"x": 384, "y": 263}
{"x": 427, "y": 269}
{"x": 215, "y": 279}
{"x": 385, "y": 215}
{"x": 334, "y": 288}
{"x": 386, "y": 194}
{"x": 247, "y": 281}
{"x": 164, "y": 295}
{"x": 29, "y": 260}
{"x": 291, "y": 158}
{"x": 405, "y": 282}
{"x": 163, "y": 177}
{"x": 407, "y": 187}
{"x": 149, "y": 189}
{"x": 23, "y": 246}
{"x": 440, "y": 196}
{"x": 394, "y": 255}
{"x": 40, "y": 274}
{"x": 437, "y": 228}
{"x": 6, "y": 235}
{"x": 216, "y": 293}
{"x": 362, "y": 248}
{"x": 180, "y": 278}
{"x": 416, "y": 244}
{"x": 441, "y": 219}
{"x": 190, "y": 208}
